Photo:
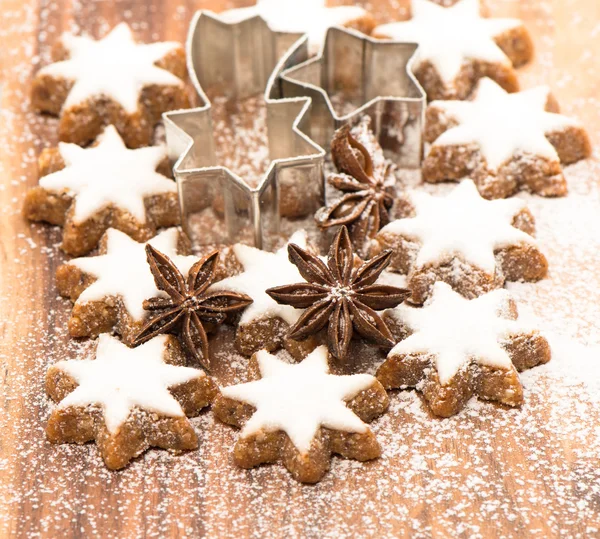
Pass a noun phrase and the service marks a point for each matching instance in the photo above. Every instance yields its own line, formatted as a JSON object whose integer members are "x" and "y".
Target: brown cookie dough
{"x": 264, "y": 324}
{"x": 458, "y": 47}
{"x": 112, "y": 81}
{"x": 453, "y": 348}
{"x": 504, "y": 142}
{"x": 470, "y": 243}
{"x": 117, "y": 281}
{"x": 128, "y": 400}
{"x": 300, "y": 414}
{"x": 87, "y": 191}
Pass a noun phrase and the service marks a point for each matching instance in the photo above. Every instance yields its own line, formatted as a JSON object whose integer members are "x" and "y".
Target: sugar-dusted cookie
{"x": 86, "y": 191}
{"x": 457, "y": 47}
{"x": 505, "y": 142}
{"x": 114, "y": 80}
{"x": 264, "y": 323}
{"x": 361, "y": 194}
{"x": 109, "y": 290}
{"x": 341, "y": 294}
{"x": 128, "y": 399}
{"x": 473, "y": 244}
{"x": 310, "y": 17}
{"x": 300, "y": 414}
{"x": 455, "y": 348}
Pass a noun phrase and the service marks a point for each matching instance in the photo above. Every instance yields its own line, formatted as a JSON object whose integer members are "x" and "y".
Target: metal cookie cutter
{"x": 241, "y": 60}
{"x": 355, "y": 75}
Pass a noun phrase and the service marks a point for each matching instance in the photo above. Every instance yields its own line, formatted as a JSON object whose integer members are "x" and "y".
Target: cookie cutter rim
{"x": 321, "y": 93}
{"x": 183, "y": 140}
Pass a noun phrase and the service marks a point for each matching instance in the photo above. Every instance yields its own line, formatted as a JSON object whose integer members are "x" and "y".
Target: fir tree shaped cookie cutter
{"x": 246, "y": 58}
{"x": 241, "y": 59}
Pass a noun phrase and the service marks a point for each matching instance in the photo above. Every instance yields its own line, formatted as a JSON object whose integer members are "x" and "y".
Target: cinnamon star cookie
{"x": 109, "y": 290}
{"x": 128, "y": 399}
{"x": 454, "y": 348}
{"x": 264, "y": 323}
{"x": 300, "y": 414}
{"x": 470, "y": 243}
{"x": 504, "y": 142}
{"x": 86, "y": 191}
{"x": 457, "y": 47}
{"x": 114, "y": 80}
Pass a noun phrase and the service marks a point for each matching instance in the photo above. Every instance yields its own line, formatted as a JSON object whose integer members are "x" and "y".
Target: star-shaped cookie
{"x": 109, "y": 290}
{"x": 456, "y": 348}
{"x": 264, "y": 322}
{"x": 128, "y": 399}
{"x": 310, "y": 17}
{"x": 300, "y": 414}
{"x": 457, "y": 46}
{"x": 113, "y": 80}
{"x": 505, "y": 142}
{"x": 471, "y": 243}
{"x": 106, "y": 185}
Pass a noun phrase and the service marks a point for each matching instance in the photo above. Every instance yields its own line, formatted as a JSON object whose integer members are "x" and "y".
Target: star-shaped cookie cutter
{"x": 374, "y": 78}
{"x": 247, "y": 58}
{"x": 242, "y": 59}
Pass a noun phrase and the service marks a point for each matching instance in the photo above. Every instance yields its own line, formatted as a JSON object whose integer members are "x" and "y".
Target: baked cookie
{"x": 473, "y": 244}
{"x": 109, "y": 290}
{"x": 455, "y": 348}
{"x": 505, "y": 142}
{"x": 310, "y": 17}
{"x": 361, "y": 194}
{"x": 115, "y": 81}
{"x": 86, "y": 191}
{"x": 264, "y": 323}
{"x": 300, "y": 414}
{"x": 128, "y": 399}
{"x": 457, "y": 47}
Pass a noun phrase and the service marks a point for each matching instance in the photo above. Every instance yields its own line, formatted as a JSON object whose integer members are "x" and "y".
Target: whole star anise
{"x": 188, "y": 306}
{"x": 340, "y": 295}
{"x": 364, "y": 207}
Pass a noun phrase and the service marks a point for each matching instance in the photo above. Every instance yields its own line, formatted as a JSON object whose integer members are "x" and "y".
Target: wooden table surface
{"x": 488, "y": 472}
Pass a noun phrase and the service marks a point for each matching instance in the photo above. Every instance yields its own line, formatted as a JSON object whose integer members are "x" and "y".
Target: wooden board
{"x": 488, "y": 472}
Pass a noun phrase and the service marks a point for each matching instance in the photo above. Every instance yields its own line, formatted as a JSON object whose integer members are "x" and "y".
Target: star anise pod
{"x": 188, "y": 306}
{"x": 340, "y": 295}
{"x": 365, "y": 205}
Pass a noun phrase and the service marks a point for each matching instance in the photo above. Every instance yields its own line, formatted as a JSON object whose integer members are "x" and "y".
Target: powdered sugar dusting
{"x": 241, "y": 140}
{"x": 487, "y": 471}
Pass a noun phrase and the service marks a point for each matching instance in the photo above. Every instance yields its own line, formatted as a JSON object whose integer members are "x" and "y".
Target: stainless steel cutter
{"x": 356, "y": 75}
{"x": 242, "y": 59}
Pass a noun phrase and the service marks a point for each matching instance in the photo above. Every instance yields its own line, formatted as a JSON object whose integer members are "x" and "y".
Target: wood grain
{"x": 490, "y": 472}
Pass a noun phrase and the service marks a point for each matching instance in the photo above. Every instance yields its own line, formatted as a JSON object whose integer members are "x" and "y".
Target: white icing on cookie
{"x": 109, "y": 174}
{"x": 457, "y": 330}
{"x": 114, "y": 66}
{"x": 450, "y": 36}
{"x": 299, "y": 398}
{"x": 124, "y": 272}
{"x": 462, "y": 224}
{"x": 263, "y": 270}
{"x": 303, "y": 17}
{"x": 121, "y": 379}
{"x": 503, "y": 124}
